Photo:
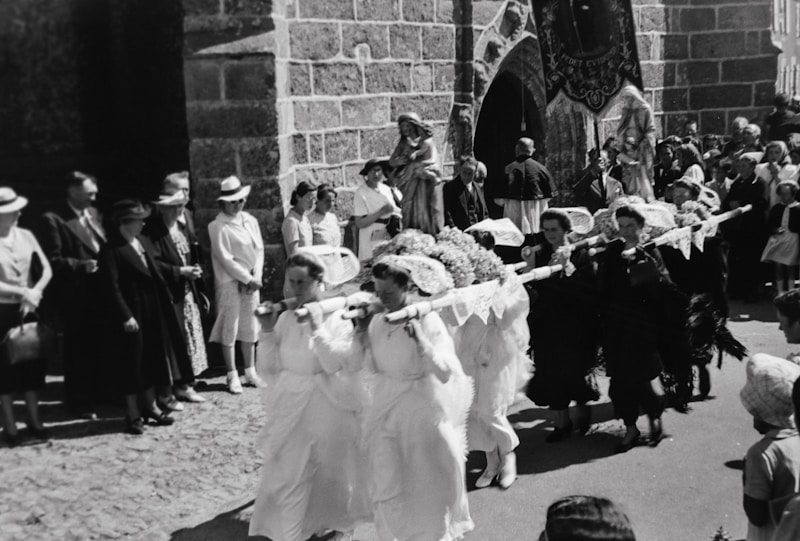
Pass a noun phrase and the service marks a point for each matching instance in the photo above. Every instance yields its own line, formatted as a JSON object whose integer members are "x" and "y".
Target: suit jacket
{"x": 65, "y": 248}
{"x": 455, "y": 204}
{"x": 588, "y": 193}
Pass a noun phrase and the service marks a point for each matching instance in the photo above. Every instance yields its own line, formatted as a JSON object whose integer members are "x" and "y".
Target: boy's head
{"x": 525, "y": 146}
{"x": 767, "y": 394}
{"x": 782, "y": 101}
{"x": 788, "y": 307}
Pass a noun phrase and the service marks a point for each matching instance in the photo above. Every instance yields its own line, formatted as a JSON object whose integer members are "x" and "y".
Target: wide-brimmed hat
{"x": 171, "y": 198}
{"x": 128, "y": 209}
{"x": 768, "y": 391}
{"x": 10, "y": 201}
{"x": 372, "y": 162}
{"x": 232, "y": 189}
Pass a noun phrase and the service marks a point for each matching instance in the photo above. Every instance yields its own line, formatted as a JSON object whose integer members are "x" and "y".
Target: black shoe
{"x": 11, "y": 439}
{"x": 559, "y": 434}
{"x": 623, "y": 447}
{"x": 134, "y": 426}
{"x": 705, "y": 381}
{"x": 656, "y": 433}
{"x": 159, "y": 419}
{"x": 40, "y": 433}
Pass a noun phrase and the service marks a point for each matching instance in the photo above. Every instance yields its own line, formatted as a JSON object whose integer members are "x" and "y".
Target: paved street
{"x": 195, "y": 481}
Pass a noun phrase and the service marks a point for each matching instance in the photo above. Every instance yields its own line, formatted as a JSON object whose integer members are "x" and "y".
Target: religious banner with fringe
{"x": 588, "y": 49}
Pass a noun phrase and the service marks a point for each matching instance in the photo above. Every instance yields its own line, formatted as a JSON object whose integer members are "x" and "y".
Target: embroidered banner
{"x": 588, "y": 49}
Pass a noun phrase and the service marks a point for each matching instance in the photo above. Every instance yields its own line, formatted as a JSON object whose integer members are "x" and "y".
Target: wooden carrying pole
{"x": 419, "y": 309}
{"x": 664, "y": 239}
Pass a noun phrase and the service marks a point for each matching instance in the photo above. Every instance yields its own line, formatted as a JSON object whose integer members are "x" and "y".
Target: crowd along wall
{"x": 707, "y": 60}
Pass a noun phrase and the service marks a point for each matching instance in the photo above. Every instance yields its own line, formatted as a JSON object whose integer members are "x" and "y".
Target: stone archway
{"x": 508, "y": 112}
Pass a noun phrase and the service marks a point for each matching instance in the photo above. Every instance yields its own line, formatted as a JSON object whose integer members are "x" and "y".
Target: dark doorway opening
{"x": 499, "y": 126}
{"x": 97, "y": 86}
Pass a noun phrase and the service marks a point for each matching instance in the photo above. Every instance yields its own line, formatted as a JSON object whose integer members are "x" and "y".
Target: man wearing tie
{"x": 594, "y": 187}
{"x": 464, "y": 204}
{"x": 71, "y": 236}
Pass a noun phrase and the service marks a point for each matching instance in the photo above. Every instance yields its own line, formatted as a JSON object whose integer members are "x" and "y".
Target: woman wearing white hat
{"x": 237, "y": 256}
{"x": 18, "y": 249}
{"x": 176, "y": 262}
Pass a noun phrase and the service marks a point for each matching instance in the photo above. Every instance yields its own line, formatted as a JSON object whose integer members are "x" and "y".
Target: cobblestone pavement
{"x": 91, "y": 481}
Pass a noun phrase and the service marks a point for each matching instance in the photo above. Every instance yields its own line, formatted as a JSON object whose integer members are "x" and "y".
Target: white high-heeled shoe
{"x": 508, "y": 472}
{"x": 491, "y": 471}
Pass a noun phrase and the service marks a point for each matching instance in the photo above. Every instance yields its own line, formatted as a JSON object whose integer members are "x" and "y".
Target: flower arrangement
{"x": 465, "y": 260}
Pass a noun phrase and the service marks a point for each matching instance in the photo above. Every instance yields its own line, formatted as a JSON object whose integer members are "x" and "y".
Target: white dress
{"x": 314, "y": 478}
{"x": 415, "y": 435}
{"x": 494, "y": 354}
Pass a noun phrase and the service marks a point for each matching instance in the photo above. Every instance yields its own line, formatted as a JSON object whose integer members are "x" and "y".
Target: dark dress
{"x": 631, "y": 317}
{"x": 152, "y": 356}
{"x": 169, "y": 263}
{"x": 564, "y": 325}
{"x": 747, "y": 235}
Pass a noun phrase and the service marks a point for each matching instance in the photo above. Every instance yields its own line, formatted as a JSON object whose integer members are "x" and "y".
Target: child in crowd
{"x": 783, "y": 246}
{"x": 772, "y": 465}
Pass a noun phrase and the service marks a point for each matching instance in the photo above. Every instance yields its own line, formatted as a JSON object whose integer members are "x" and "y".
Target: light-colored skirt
{"x": 236, "y": 319}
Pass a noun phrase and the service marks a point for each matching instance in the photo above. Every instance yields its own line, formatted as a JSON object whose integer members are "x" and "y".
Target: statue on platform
{"x": 636, "y": 139}
{"x": 417, "y": 175}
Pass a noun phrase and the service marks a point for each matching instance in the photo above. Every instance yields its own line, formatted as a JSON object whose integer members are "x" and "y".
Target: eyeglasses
{"x": 239, "y": 201}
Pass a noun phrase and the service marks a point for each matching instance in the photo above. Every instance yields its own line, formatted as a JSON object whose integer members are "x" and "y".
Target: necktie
{"x": 90, "y": 236}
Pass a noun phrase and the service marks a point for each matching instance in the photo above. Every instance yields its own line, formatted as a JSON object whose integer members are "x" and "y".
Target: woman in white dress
{"x": 777, "y": 167}
{"x": 493, "y": 353}
{"x": 415, "y": 427}
{"x": 313, "y": 475}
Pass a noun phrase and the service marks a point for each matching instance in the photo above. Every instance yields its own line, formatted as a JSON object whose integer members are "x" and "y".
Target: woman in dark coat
{"x": 631, "y": 315}
{"x": 142, "y": 324}
{"x": 747, "y": 234}
{"x": 174, "y": 249}
{"x": 564, "y": 328}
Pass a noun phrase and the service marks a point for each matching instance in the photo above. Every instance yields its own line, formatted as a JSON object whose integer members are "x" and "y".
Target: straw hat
{"x": 171, "y": 198}
{"x": 232, "y": 189}
{"x": 10, "y": 201}
{"x": 768, "y": 391}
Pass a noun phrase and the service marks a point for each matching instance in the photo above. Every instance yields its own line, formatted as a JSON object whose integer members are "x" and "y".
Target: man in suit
{"x": 594, "y": 187}
{"x": 71, "y": 236}
{"x": 464, "y": 204}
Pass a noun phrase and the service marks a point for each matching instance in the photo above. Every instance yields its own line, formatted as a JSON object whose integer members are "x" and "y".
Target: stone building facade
{"x": 279, "y": 91}
{"x": 308, "y": 90}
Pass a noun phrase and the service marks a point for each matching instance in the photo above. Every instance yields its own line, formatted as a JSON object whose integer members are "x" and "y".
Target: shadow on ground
{"x": 228, "y": 525}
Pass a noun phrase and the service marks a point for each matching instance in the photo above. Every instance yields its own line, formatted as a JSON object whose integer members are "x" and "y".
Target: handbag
{"x": 28, "y": 342}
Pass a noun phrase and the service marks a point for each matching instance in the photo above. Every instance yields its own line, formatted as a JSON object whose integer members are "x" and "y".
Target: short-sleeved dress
{"x": 16, "y": 255}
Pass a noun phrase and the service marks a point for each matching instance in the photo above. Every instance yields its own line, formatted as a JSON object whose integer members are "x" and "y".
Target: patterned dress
{"x": 195, "y": 340}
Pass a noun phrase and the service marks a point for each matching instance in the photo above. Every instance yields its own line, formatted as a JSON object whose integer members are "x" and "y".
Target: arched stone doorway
{"x": 500, "y": 123}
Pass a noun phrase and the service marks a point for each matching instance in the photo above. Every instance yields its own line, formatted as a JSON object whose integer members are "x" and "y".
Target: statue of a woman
{"x": 636, "y": 137}
{"x": 417, "y": 175}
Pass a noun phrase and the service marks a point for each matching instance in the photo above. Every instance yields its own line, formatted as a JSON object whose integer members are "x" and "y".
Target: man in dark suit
{"x": 464, "y": 204}
{"x": 71, "y": 236}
